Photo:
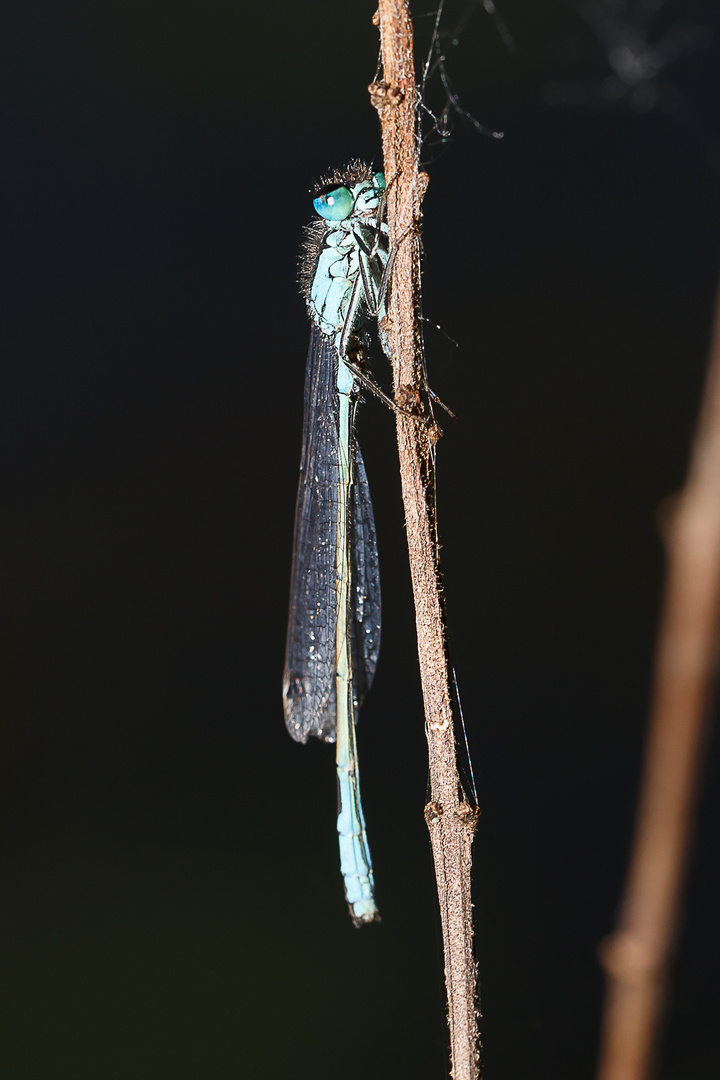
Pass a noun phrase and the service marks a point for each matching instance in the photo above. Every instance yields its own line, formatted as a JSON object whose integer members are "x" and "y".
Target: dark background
{"x": 171, "y": 905}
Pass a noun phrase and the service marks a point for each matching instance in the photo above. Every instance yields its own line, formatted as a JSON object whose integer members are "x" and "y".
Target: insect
{"x": 334, "y": 622}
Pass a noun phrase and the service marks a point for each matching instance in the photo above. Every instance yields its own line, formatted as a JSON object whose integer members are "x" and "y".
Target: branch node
{"x": 468, "y": 815}
{"x": 625, "y": 957}
{"x": 383, "y": 94}
{"x": 434, "y": 433}
{"x": 409, "y": 398}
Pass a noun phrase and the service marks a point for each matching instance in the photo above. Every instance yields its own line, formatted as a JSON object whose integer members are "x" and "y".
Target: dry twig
{"x": 636, "y": 956}
{"x": 451, "y": 820}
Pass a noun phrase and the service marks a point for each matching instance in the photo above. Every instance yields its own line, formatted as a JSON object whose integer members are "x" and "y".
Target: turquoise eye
{"x": 379, "y": 181}
{"x": 334, "y": 205}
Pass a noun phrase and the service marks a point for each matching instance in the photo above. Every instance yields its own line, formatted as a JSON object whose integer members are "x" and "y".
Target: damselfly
{"x": 334, "y": 624}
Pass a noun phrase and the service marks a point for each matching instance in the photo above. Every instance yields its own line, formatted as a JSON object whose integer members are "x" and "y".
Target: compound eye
{"x": 334, "y": 205}
{"x": 379, "y": 181}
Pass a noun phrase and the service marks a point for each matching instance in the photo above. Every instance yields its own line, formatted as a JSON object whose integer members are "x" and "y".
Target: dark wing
{"x": 311, "y": 654}
{"x": 311, "y": 649}
{"x": 365, "y": 627}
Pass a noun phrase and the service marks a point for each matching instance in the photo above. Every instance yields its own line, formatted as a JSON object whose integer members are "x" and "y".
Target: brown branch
{"x": 451, "y": 820}
{"x": 637, "y": 955}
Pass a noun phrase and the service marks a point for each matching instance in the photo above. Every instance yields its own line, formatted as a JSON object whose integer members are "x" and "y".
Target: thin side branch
{"x": 637, "y": 955}
{"x": 451, "y": 820}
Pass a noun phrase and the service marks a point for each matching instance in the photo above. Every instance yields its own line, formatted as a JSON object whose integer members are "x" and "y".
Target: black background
{"x": 170, "y": 904}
